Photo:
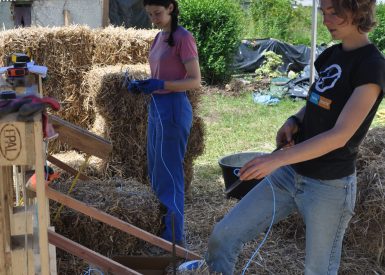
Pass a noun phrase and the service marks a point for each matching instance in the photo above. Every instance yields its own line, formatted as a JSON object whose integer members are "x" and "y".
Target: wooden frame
{"x": 21, "y": 143}
{"x": 33, "y": 154}
{"x": 119, "y": 224}
{"x": 87, "y": 254}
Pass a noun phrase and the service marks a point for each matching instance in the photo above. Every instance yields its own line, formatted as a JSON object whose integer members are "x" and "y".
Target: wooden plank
{"x": 106, "y": 13}
{"x": 21, "y": 221}
{"x": 52, "y": 256}
{"x": 23, "y": 262}
{"x": 81, "y": 139}
{"x": 5, "y": 231}
{"x": 42, "y": 209}
{"x": 90, "y": 256}
{"x": 119, "y": 224}
{"x": 66, "y": 167}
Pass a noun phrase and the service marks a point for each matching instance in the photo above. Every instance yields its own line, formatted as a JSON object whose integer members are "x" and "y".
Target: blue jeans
{"x": 169, "y": 123}
{"x": 325, "y": 205}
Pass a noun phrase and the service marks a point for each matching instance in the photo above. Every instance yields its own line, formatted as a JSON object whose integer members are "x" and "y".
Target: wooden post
{"x": 5, "y": 230}
{"x": 21, "y": 143}
{"x": 41, "y": 199}
{"x": 106, "y": 13}
{"x": 67, "y": 17}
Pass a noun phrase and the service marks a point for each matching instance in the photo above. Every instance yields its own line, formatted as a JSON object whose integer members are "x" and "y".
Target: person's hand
{"x": 147, "y": 86}
{"x": 259, "y": 167}
{"x": 133, "y": 87}
{"x": 285, "y": 135}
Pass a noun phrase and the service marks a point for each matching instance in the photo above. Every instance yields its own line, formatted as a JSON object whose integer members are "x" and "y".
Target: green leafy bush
{"x": 269, "y": 66}
{"x": 378, "y": 34}
{"x": 217, "y": 28}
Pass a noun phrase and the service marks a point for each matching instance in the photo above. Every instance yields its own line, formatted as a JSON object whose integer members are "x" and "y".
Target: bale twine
{"x": 127, "y": 200}
{"x": 115, "y": 45}
{"x": 122, "y": 118}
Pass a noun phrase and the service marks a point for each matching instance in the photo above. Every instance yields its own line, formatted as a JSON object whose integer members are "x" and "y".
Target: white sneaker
{"x": 191, "y": 265}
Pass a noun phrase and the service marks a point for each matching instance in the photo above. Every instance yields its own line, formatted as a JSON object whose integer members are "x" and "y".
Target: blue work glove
{"x": 151, "y": 85}
{"x": 133, "y": 87}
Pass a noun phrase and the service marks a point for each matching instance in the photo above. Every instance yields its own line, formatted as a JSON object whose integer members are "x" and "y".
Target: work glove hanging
{"x": 147, "y": 86}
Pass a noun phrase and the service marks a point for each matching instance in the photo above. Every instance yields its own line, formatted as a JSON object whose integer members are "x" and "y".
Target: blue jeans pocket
{"x": 349, "y": 185}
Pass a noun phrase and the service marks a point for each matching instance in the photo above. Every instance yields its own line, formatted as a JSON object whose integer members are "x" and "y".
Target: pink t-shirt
{"x": 167, "y": 63}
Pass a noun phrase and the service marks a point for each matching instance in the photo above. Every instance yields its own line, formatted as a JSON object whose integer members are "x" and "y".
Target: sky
{"x": 309, "y": 2}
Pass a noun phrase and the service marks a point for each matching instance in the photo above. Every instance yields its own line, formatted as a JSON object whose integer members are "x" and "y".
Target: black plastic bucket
{"x": 230, "y": 166}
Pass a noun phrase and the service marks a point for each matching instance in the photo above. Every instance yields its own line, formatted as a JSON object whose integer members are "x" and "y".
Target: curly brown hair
{"x": 362, "y": 11}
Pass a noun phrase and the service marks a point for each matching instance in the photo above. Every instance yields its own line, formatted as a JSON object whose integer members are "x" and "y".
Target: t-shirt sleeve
{"x": 188, "y": 48}
{"x": 370, "y": 71}
{"x": 323, "y": 57}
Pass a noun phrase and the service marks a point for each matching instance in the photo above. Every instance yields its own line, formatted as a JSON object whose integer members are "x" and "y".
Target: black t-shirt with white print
{"x": 340, "y": 72}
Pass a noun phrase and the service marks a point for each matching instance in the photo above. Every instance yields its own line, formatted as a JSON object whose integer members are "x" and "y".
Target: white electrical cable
{"x": 267, "y": 233}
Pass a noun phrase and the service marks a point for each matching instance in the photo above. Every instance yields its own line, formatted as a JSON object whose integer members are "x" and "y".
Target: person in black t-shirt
{"x": 316, "y": 174}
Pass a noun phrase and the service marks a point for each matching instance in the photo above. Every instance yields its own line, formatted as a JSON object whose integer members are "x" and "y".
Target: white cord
{"x": 267, "y": 233}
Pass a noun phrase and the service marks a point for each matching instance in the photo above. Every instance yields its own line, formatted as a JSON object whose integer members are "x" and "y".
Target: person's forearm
{"x": 312, "y": 148}
{"x": 182, "y": 85}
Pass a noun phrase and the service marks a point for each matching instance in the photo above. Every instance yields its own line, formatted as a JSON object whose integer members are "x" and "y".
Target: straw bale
{"x": 74, "y": 159}
{"x": 117, "y": 45}
{"x": 122, "y": 118}
{"x": 367, "y": 228}
{"x": 127, "y": 200}
{"x": 195, "y": 145}
{"x": 67, "y": 53}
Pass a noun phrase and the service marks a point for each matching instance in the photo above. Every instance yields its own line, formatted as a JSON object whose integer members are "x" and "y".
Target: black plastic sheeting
{"x": 128, "y": 13}
{"x": 250, "y": 55}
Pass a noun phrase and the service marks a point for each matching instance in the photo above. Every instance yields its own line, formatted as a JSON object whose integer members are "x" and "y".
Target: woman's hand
{"x": 260, "y": 166}
{"x": 285, "y": 135}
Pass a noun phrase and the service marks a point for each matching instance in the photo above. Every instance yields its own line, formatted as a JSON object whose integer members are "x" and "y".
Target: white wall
{"x": 50, "y": 13}
{"x": 82, "y": 12}
{"x": 6, "y": 18}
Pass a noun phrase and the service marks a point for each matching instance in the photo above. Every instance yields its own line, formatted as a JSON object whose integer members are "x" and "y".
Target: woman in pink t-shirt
{"x": 175, "y": 68}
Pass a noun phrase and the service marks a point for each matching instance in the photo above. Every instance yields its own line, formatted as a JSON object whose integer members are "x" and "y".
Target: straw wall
{"x": 70, "y": 52}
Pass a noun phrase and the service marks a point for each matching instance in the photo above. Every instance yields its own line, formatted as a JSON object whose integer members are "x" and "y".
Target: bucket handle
{"x": 236, "y": 172}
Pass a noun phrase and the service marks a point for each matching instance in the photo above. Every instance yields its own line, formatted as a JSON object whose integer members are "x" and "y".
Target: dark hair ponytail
{"x": 174, "y": 15}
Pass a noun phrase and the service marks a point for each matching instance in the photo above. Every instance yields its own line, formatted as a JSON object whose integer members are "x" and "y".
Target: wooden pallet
{"x": 21, "y": 144}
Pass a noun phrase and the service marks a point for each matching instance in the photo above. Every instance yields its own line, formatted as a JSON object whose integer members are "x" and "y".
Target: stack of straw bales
{"x": 70, "y": 52}
{"x": 127, "y": 200}
{"x": 82, "y": 76}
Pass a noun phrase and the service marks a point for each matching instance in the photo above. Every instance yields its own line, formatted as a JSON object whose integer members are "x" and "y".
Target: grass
{"x": 235, "y": 124}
